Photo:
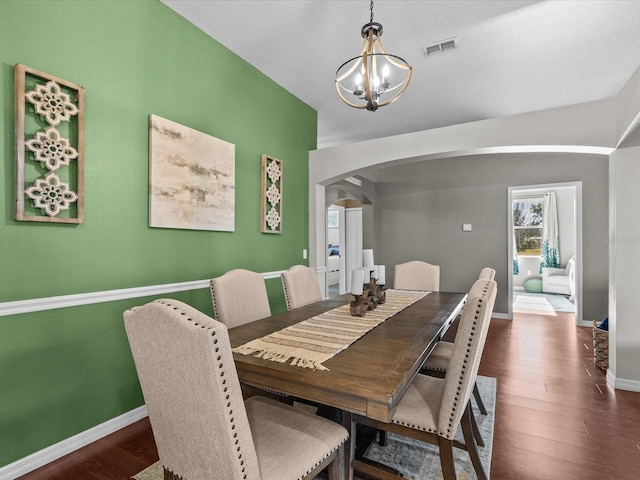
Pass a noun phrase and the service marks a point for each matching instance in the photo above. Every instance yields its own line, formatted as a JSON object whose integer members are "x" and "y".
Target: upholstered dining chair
{"x": 438, "y": 360}
{"x": 239, "y": 296}
{"x": 417, "y": 275}
{"x": 432, "y": 408}
{"x": 202, "y": 427}
{"x": 301, "y": 287}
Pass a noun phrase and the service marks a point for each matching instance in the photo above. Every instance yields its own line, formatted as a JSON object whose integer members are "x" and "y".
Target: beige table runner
{"x": 309, "y": 343}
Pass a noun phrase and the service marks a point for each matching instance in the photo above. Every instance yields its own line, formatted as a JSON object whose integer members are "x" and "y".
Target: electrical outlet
{"x": 304, "y": 254}
{"x": 466, "y": 227}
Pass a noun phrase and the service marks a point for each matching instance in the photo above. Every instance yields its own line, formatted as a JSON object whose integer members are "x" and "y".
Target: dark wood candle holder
{"x": 358, "y": 307}
{"x": 382, "y": 296}
{"x": 372, "y": 288}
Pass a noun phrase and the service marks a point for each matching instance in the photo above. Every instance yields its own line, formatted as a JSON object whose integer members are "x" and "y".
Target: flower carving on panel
{"x": 273, "y": 219}
{"x": 273, "y": 171}
{"x": 52, "y": 103}
{"x": 273, "y": 195}
{"x": 51, "y": 194}
{"x": 52, "y": 149}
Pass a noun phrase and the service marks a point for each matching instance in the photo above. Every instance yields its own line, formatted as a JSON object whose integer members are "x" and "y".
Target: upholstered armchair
{"x": 560, "y": 280}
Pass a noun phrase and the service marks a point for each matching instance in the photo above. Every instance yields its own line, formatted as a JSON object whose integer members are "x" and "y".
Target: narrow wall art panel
{"x": 192, "y": 178}
{"x": 271, "y": 195}
{"x": 49, "y": 148}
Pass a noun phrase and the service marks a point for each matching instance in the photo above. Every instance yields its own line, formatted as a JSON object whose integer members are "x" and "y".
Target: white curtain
{"x": 550, "y": 250}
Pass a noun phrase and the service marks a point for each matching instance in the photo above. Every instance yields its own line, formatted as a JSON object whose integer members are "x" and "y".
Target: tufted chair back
{"x": 192, "y": 392}
{"x": 300, "y": 285}
{"x": 239, "y": 296}
{"x": 488, "y": 273}
{"x": 417, "y": 275}
{"x": 465, "y": 357}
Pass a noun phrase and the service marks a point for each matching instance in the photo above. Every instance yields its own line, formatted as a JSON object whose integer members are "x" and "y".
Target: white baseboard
{"x": 622, "y": 383}
{"x": 502, "y": 316}
{"x": 71, "y": 444}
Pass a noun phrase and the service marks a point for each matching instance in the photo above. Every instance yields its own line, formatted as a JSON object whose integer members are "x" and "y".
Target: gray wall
{"x": 420, "y": 209}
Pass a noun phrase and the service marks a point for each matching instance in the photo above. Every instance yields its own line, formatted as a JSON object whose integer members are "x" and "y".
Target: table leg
{"x": 349, "y": 446}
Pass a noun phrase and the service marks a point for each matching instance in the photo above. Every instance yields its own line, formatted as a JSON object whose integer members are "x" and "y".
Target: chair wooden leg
{"x": 349, "y": 446}
{"x": 446, "y": 459}
{"x": 476, "y": 395}
{"x": 333, "y": 469}
{"x": 470, "y": 443}
{"x": 476, "y": 430}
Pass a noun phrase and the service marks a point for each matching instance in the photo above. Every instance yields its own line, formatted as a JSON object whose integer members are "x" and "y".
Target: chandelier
{"x": 375, "y": 78}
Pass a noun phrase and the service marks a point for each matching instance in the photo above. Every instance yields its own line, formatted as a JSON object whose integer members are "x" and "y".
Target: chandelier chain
{"x": 371, "y": 8}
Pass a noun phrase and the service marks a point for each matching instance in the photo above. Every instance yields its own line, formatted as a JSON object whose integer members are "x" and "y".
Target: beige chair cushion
{"x": 439, "y": 357}
{"x": 289, "y": 442}
{"x": 420, "y": 405}
{"x": 239, "y": 297}
{"x": 301, "y": 287}
{"x": 417, "y": 275}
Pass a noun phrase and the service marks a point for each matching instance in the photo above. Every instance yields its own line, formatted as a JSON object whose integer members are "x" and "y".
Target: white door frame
{"x": 578, "y": 237}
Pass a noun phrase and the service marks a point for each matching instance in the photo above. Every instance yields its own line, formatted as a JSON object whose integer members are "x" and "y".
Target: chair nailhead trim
{"x": 478, "y": 309}
{"x": 286, "y": 293}
{"x": 220, "y": 367}
{"x": 324, "y": 458}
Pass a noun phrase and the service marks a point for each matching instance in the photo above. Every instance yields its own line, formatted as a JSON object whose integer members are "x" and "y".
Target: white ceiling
{"x": 512, "y": 56}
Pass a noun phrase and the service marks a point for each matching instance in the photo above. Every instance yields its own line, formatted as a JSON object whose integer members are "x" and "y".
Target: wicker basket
{"x": 600, "y": 347}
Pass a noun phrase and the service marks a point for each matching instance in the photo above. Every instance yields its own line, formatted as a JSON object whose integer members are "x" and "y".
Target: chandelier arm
{"x": 367, "y": 83}
{"x": 392, "y": 57}
{"x": 400, "y": 92}
{"x": 350, "y": 70}
{"x": 397, "y": 61}
{"x": 375, "y": 73}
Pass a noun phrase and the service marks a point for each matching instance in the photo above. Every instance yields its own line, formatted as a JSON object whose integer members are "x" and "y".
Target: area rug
{"x": 541, "y": 303}
{"x": 414, "y": 459}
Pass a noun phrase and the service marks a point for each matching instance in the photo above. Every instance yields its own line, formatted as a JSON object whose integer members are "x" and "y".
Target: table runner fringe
{"x": 305, "y": 363}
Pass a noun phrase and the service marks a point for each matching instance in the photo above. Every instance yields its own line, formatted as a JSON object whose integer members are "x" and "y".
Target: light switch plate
{"x": 466, "y": 227}
{"x": 304, "y": 254}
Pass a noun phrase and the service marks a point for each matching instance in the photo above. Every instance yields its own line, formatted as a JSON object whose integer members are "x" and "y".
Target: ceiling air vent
{"x": 442, "y": 46}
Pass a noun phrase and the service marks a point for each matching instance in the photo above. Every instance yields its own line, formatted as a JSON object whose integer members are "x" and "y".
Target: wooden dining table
{"x": 370, "y": 376}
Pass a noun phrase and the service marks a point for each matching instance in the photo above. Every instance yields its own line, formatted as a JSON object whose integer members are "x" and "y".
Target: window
{"x": 332, "y": 219}
{"x": 527, "y": 225}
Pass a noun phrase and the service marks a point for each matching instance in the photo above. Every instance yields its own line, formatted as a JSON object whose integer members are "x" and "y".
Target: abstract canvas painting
{"x": 192, "y": 178}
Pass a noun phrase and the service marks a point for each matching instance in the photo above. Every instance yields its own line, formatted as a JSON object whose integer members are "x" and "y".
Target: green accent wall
{"x": 64, "y": 371}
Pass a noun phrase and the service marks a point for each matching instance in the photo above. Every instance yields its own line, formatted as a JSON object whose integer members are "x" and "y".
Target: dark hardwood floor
{"x": 556, "y": 418}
